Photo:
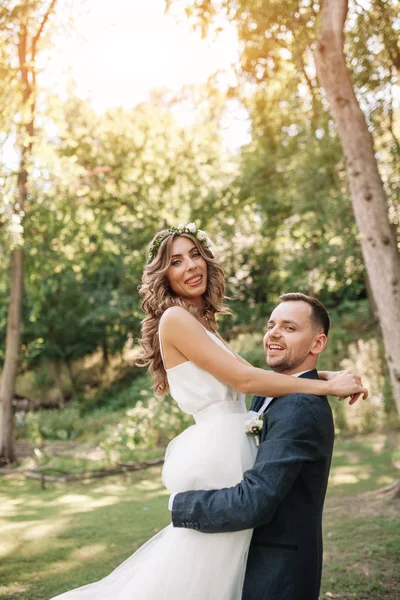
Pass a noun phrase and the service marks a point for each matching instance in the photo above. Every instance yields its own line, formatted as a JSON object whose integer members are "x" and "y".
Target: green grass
{"x": 364, "y": 463}
{"x": 362, "y": 557}
{"x": 69, "y": 534}
{"x": 361, "y": 530}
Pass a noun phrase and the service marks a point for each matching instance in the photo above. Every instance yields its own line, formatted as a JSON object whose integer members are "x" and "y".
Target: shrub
{"x": 53, "y": 424}
{"x": 146, "y": 426}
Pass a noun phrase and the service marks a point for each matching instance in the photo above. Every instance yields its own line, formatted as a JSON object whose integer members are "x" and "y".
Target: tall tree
{"x": 273, "y": 33}
{"x": 22, "y": 31}
{"x": 104, "y": 184}
{"x": 378, "y": 236}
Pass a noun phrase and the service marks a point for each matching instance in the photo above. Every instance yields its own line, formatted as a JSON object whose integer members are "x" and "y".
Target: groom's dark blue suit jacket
{"x": 281, "y": 497}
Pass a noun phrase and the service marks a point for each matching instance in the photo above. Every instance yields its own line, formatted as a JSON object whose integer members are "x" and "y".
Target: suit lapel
{"x": 307, "y": 375}
{"x": 257, "y": 403}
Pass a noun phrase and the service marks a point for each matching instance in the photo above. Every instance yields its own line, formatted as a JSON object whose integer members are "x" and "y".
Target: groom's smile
{"x": 290, "y": 343}
{"x": 274, "y": 347}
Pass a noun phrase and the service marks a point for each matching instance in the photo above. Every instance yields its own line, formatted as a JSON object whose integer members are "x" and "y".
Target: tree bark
{"x": 378, "y": 238}
{"x": 71, "y": 374}
{"x": 14, "y": 322}
{"x": 27, "y": 48}
{"x": 391, "y": 491}
{"x": 58, "y": 379}
{"x": 9, "y": 374}
{"x": 106, "y": 356}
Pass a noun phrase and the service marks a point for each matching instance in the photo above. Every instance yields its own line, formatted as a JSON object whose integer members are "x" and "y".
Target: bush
{"x": 53, "y": 424}
{"x": 250, "y": 347}
{"x": 146, "y": 426}
{"x": 117, "y": 396}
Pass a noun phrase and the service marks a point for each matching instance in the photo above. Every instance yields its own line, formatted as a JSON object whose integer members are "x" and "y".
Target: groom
{"x": 282, "y": 496}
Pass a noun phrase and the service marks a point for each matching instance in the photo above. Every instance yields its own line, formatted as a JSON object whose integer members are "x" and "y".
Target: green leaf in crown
{"x": 189, "y": 228}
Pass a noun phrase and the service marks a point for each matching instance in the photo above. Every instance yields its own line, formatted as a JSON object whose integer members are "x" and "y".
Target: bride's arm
{"x": 182, "y": 331}
{"x": 324, "y": 376}
{"x": 242, "y": 360}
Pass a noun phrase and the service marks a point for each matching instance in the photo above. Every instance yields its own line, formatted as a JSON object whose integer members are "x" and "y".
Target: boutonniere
{"x": 253, "y": 427}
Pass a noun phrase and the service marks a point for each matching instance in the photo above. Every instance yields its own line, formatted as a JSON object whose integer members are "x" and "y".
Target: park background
{"x": 241, "y": 116}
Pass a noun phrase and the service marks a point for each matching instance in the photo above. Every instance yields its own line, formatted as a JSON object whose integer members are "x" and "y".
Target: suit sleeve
{"x": 295, "y": 436}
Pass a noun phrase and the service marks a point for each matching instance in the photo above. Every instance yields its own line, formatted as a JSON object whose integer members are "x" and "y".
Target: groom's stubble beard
{"x": 294, "y": 359}
{"x": 287, "y": 366}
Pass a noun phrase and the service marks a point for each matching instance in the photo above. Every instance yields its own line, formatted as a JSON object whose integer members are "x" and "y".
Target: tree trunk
{"x": 17, "y": 263}
{"x": 72, "y": 377}
{"x": 27, "y": 47}
{"x": 391, "y": 491}
{"x": 9, "y": 374}
{"x": 57, "y": 377}
{"x": 106, "y": 356}
{"x": 378, "y": 238}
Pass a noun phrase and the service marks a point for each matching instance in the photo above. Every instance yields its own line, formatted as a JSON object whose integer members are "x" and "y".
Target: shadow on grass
{"x": 362, "y": 532}
{"x": 69, "y": 535}
{"x": 76, "y": 536}
{"x": 363, "y": 464}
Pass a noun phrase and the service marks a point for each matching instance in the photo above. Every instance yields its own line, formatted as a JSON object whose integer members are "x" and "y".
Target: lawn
{"x": 362, "y": 529}
{"x": 68, "y": 534}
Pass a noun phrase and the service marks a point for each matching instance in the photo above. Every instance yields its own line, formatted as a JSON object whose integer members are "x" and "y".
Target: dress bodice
{"x": 195, "y": 389}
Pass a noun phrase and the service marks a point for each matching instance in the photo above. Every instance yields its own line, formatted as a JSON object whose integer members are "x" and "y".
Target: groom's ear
{"x": 318, "y": 344}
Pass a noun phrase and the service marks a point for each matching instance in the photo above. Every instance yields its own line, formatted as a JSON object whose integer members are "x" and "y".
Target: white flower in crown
{"x": 179, "y": 230}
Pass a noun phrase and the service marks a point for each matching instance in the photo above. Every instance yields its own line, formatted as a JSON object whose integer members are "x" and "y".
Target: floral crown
{"x": 190, "y": 228}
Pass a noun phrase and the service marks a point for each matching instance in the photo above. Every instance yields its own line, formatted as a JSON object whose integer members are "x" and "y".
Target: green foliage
{"x": 53, "y": 424}
{"x": 123, "y": 393}
{"x": 278, "y": 211}
{"x": 292, "y": 174}
{"x": 105, "y": 185}
{"x": 124, "y": 416}
{"x": 146, "y": 426}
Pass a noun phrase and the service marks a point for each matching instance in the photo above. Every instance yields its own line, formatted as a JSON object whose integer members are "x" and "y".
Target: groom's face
{"x": 293, "y": 341}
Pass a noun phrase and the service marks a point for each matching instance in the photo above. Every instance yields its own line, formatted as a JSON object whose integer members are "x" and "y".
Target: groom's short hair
{"x": 319, "y": 313}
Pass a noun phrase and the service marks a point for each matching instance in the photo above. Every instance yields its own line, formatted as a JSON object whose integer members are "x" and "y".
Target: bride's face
{"x": 187, "y": 273}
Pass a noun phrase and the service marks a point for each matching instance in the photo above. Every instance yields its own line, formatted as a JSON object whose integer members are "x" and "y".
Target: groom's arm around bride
{"x": 282, "y": 496}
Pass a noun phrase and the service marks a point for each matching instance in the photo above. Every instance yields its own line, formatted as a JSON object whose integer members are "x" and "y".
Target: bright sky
{"x": 119, "y": 51}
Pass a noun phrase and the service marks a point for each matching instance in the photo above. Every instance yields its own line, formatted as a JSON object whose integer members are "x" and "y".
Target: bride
{"x": 183, "y": 284}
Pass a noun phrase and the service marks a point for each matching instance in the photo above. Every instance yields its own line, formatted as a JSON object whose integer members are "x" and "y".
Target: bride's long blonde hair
{"x": 158, "y": 296}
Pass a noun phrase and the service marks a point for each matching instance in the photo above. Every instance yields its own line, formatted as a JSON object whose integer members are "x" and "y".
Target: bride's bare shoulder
{"x": 177, "y": 316}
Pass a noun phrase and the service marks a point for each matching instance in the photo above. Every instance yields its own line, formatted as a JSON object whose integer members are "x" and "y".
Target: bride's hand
{"x": 346, "y": 383}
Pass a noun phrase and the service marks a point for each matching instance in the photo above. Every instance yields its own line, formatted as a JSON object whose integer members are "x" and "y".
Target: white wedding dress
{"x": 178, "y": 563}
